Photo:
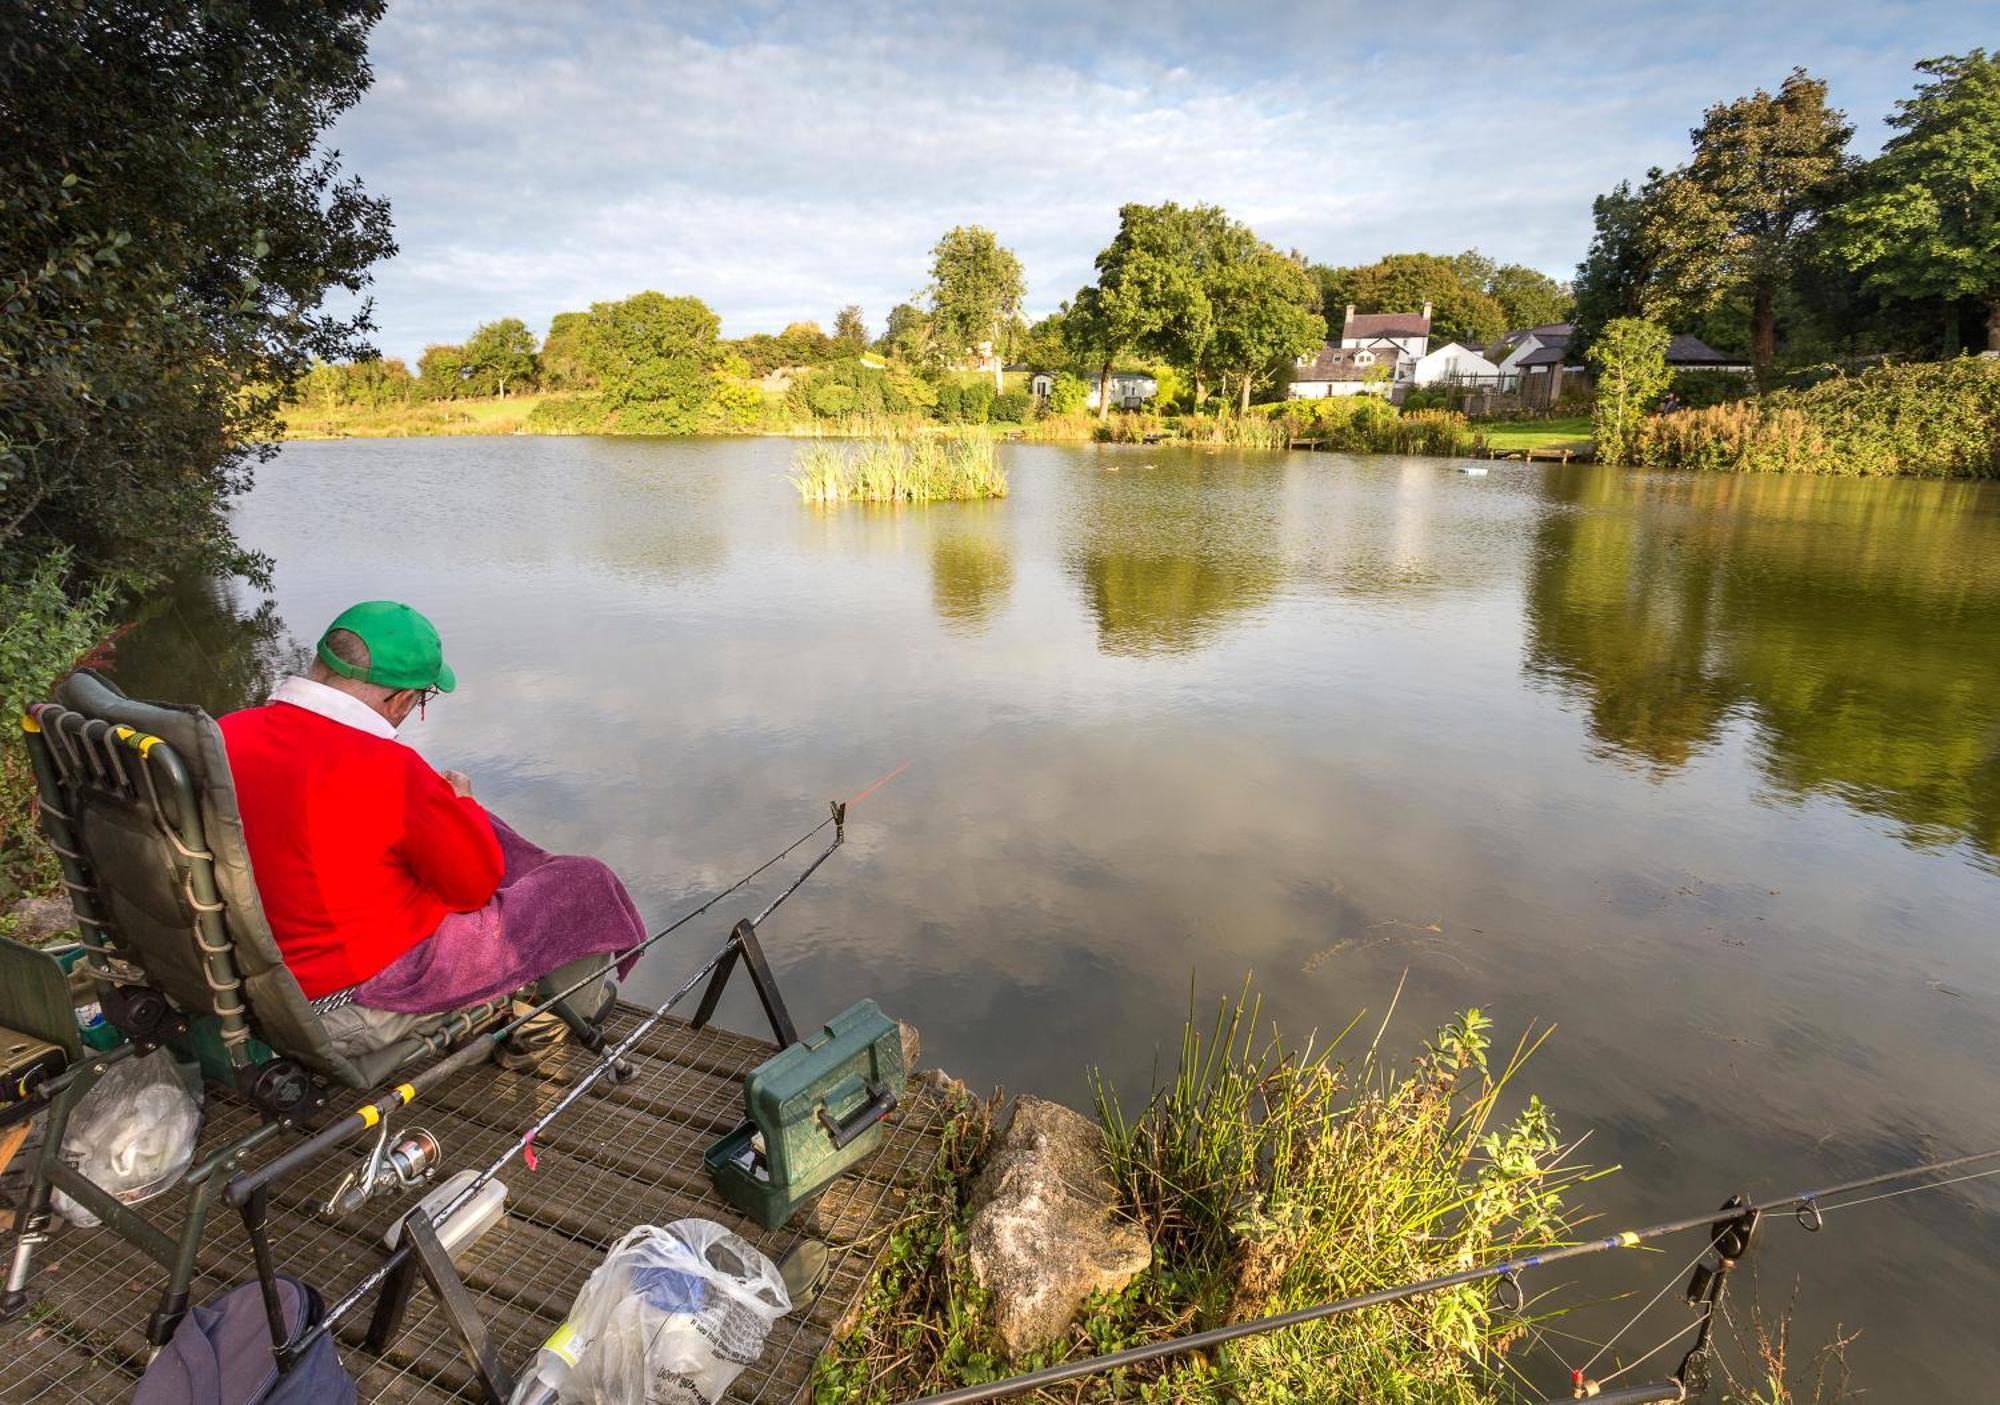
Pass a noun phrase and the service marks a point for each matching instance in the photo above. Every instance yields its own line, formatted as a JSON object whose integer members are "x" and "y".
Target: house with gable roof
{"x": 1377, "y": 355}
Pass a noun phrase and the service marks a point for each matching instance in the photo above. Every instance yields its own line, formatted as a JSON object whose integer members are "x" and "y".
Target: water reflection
{"x": 213, "y": 643}
{"x": 1172, "y": 549}
{"x": 972, "y": 567}
{"x": 1855, "y": 625}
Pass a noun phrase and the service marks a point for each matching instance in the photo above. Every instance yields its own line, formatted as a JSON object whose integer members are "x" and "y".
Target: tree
{"x": 1266, "y": 313}
{"x": 653, "y": 357}
{"x": 1460, "y": 311}
{"x": 562, "y": 355}
{"x": 1764, "y": 169}
{"x": 804, "y": 344}
{"x": 908, "y": 337}
{"x": 850, "y": 330}
{"x": 1630, "y": 357}
{"x": 1612, "y": 279}
{"x": 501, "y": 354}
{"x": 1148, "y": 295}
{"x": 1529, "y": 297}
{"x": 1043, "y": 346}
{"x": 441, "y": 372}
{"x": 975, "y": 288}
{"x": 169, "y": 227}
{"x": 1927, "y": 221}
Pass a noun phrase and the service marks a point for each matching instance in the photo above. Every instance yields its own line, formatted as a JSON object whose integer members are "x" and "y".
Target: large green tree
{"x": 169, "y": 227}
{"x": 975, "y": 291}
{"x": 1927, "y": 221}
{"x": 1148, "y": 294}
{"x": 563, "y": 364}
{"x": 1529, "y": 297}
{"x": 500, "y": 355}
{"x": 1267, "y": 314}
{"x": 1737, "y": 216}
{"x": 654, "y": 359}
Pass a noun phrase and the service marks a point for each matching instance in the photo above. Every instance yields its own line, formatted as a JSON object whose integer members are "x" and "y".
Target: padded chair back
{"x": 138, "y": 802}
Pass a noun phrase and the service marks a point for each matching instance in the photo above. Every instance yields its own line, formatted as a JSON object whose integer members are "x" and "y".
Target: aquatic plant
{"x": 914, "y": 468}
{"x": 1267, "y": 1179}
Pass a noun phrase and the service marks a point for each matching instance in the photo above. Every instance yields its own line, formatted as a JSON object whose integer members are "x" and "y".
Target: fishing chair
{"x": 137, "y": 801}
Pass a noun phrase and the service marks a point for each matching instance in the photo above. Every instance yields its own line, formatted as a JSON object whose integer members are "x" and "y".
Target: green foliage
{"x": 1010, "y": 408}
{"x": 47, "y": 621}
{"x": 1924, "y": 224}
{"x": 569, "y": 414}
{"x": 441, "y": 373}
{"x": 1068, "y": 394}
{"x": 1461, "y": 308}
{"x": 170, "y": 225}
{"x": 1528, "y": 297}
{"x": 653, "y": 358}
{"x": 1697, "y": 390}
{"x": 500, "y": 356}
{"x": 735, "y": 403}
{"x": 975, "y": 290}
{"x": 1937, "y": 419}
{"x": 563, "y": 367}
{"x": 908, "y": 338}
{"x": 1267, "y": 1179}
{"x": 370, "y": 384}
{"x": 850, "y": 387}
{"x": 1368, "y": 424}
{"x": 900, "y": 469}
{"x": 1630, "y": 358}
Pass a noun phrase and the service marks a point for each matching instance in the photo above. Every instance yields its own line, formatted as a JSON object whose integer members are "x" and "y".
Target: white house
{"x": 1378, "y": 353}
{"x": 1448, "y": 362}
{"x": 1129, "y": 389}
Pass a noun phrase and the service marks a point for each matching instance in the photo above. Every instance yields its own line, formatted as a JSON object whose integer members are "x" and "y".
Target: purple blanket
{"x": 550, "y": 909}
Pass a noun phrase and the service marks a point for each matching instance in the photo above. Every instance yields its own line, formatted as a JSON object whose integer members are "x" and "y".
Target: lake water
{"x": 1705, "y": 771}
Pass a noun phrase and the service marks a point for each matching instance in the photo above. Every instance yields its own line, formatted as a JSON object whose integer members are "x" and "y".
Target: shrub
{"x": 1011, "y": 407}
{"x": 1630, "y": 357}
{"x": 568, "y": 414}
{"x": 1934, "y": 419}
{"x": 1068, "y": 394}
{"x": 43, "y": 631}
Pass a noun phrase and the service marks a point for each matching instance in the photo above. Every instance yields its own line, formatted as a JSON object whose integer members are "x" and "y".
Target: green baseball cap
{"x": 403, "y": 647}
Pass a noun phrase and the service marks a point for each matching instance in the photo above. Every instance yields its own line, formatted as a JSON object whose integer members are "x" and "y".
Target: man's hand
{"x": 460, "y": 783}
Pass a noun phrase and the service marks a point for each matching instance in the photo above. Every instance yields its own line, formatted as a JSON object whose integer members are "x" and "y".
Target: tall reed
{"x": 916, "y": 468}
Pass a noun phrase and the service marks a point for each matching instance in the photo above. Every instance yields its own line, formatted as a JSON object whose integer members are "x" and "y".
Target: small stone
{"x": 1045, "y": 1233}
{"x": 38, "y": 921}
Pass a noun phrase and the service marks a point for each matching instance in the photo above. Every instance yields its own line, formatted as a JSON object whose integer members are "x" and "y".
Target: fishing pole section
{"x": 408, "y": 1161}
{"x": 1731, "y": 1236}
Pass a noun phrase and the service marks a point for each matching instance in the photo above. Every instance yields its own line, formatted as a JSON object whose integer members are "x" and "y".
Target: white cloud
{"x": 780, "y": 162}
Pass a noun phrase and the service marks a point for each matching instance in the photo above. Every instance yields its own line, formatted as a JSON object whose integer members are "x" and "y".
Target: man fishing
{"x": 384, "y": 881}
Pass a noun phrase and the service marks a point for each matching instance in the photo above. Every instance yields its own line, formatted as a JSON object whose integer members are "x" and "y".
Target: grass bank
{"x": 1519, "y": 436}
{"x": 1267, "y": 1178}
{"x": 900, "y": 469}
{"x": 495, "y": 416}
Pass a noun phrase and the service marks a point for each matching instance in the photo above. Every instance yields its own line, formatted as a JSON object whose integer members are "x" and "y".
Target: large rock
{"x": 38, "y": 920}
{"x": 1044, "y": 1230}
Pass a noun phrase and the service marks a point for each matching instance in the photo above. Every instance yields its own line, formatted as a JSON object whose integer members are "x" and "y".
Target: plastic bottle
{"x": 553, "y": 1363}
{"x": 467, "y": 1223}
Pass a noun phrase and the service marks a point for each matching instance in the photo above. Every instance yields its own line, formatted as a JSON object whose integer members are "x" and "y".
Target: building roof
{"x": 1687, "y": 349}
{"x": 1340, "y": 363}
{"x": 1386, "y": 324}
{"x": 1545, "y": 355}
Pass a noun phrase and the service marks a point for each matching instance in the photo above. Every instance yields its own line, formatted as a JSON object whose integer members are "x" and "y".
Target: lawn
{"x": 487, "y": 416}
{"x": 1512, "y": 436}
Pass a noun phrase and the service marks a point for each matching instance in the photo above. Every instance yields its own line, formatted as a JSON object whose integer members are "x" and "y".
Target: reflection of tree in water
{"x": 970, "y": 576}
{"x": 1167, "y": 559}
{"x": 197, "y": 643}
{"x": 1858, "y": 624}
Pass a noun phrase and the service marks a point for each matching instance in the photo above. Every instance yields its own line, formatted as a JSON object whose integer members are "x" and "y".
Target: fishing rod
{"x": 255, "y": 1195}
{"x": 476, "y": 1051}
{"x": 1806, "y": 1205}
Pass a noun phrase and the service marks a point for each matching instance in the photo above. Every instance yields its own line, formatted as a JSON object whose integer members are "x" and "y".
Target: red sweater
{"x": 359, "y": 848}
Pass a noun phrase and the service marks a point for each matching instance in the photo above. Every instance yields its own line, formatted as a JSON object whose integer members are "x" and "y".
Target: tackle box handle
{"x": 881, "y": 1102}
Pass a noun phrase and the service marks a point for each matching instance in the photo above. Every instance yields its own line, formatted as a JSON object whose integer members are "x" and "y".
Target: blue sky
{"x": 779, "y": 161}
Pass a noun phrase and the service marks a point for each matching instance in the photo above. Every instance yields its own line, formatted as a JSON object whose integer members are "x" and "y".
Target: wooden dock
{"x": 623, "y": 1156}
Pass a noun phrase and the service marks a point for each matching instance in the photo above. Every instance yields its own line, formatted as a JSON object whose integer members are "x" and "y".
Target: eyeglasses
{"x": 424, "y": 695}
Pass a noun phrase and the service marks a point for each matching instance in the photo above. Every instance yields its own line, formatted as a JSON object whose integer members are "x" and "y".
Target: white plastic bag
{"x": 672, "y": 1316}
{"x": 134, "y": 1133}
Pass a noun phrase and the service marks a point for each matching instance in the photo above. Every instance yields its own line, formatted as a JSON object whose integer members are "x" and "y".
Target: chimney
{"x": 1427, "y": 309}
{"x": 1350, "y": 312}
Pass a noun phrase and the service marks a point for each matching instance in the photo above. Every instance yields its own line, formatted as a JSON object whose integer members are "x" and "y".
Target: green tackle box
{"x": 814, "y": 1110}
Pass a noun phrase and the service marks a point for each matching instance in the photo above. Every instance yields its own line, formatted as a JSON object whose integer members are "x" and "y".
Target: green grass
{"x": 900, "y": 469}
{"x": 1267, "y": 1179}
{"x": 487, "y": 416}
{"x": 1514, "y": 436}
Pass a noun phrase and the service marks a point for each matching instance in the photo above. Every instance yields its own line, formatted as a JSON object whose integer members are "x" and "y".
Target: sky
{"x": 781, "y": 161}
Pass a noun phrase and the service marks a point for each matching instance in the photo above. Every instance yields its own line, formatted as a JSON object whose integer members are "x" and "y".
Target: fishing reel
{"x": 408, "y": 1163}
